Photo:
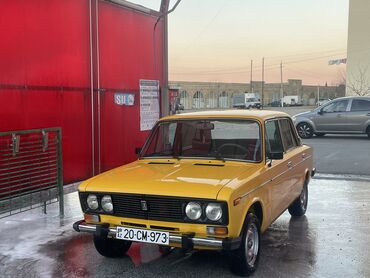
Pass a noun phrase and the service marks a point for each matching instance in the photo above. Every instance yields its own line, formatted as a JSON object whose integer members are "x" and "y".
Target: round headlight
{"x": 92, "y": 202}
{"x": 106, "y": 203}
{"x": 193, "y": 210}
{"x": 214, "y": 211}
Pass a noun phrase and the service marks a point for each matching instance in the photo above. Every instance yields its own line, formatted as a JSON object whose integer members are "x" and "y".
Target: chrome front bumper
{"x": 186, "y": 241}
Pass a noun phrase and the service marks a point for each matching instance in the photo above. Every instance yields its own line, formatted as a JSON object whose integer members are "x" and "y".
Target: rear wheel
{"x": 244, "y": 260}
{"x": 368, "y": 131}
{"x": 299, "y": 206}
{"x": 110, "y": 247}
{"x": 305, "y": 130}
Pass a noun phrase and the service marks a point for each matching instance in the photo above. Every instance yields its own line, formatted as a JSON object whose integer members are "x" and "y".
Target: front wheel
{"x": 299, "y": 206}
{"x": 368, "y": 132}
{"x": 244, "y": 260}
{"x": 305, "y": 130}
{"x": 110, "y": 247}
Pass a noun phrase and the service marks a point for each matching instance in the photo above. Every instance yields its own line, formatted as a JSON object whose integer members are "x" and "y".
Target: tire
{"x": 319, "y": 134}
{"x": 110, "y": 247}
{"x": 368, "y": 131}
{"x": 242, "y": 262}
{"x": 299, "y": 206}
{"x": 305, "y": 130}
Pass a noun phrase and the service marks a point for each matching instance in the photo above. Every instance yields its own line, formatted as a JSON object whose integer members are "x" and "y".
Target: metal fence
{"x": 30, "y": 170}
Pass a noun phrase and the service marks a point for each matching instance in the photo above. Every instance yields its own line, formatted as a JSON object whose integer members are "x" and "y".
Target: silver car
{"x": 341, "y": 115}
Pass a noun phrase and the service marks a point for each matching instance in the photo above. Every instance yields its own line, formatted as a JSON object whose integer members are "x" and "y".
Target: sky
{"x": 215, "y": 40}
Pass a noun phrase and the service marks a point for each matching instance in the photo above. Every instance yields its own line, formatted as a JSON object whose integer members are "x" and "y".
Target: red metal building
{"x": 61, "y": 62}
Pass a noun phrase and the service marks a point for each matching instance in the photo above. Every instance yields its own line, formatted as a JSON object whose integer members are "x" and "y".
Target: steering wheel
{"x": 234, "y": 145}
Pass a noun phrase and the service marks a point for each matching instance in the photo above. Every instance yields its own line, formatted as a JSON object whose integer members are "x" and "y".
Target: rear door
{"x": 359, "y": 115}
{"x": 333, "y": 117}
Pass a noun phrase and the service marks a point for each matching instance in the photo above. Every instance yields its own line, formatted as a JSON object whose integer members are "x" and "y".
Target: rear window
{"x": 360, "y": 105}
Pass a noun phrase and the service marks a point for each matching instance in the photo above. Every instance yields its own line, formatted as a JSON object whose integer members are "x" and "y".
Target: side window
{"x": 360, "y": 105}
{"x": 287, "y": 134}
{"x": 273, "y": 138}
{"x": 337, "y": 106}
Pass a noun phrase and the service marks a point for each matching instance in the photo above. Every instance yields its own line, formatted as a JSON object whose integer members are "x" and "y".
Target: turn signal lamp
{"x": 89, "y": 218}
{"x": 218, "y": 231}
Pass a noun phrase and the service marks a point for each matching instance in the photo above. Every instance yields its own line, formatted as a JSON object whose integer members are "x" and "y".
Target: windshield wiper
{"x": 218, "y": 156}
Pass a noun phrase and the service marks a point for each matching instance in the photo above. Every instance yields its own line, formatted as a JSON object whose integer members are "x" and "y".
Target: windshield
{"x": 217, "y": 139}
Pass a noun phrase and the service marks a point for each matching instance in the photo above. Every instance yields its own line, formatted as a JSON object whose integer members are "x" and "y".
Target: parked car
{"x": 343, "y": 115}
{"x": 292, "y": 101}
{"x": 204, "y": 180}
{"x": 276, "y": 103}
{"x": 246, "y": 100}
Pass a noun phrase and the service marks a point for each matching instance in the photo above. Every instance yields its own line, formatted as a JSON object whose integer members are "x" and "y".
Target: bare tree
{"x": 359, "y": 82}
{"x": 341, "y": 77}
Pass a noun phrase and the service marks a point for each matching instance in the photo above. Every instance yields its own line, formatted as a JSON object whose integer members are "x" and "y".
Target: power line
{"x": 243, "y": 70}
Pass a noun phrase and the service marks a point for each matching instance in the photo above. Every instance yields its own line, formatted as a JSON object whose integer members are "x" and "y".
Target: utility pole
{"x": 318, "y": 93}
{"x": 250, "y": 85}
{"x": 281, "y": 84}
{"x": 263, "y": 81}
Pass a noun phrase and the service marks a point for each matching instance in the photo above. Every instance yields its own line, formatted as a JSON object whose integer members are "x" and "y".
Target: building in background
{"x": 209, "y": 95}
{"x": 358, "y": 49}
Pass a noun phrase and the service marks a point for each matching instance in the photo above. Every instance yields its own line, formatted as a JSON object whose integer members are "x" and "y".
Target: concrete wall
{"x": 194, "y": 95}
{"x": 358, "y": 56}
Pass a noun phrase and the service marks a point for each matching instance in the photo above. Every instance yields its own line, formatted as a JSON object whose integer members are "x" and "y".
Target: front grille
{"x": 161, "y": 208}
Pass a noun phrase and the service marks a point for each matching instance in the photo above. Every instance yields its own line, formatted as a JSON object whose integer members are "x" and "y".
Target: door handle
{"x": 303, "y": 155}
{"x": 290, "y": 165}
{"x": 339, "y": 116}
{"x": 368, "y": 114}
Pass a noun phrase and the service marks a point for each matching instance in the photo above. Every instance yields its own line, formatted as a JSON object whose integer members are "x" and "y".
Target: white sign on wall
{"x": 149, "y": 103}
{"x": 124, "y": 99}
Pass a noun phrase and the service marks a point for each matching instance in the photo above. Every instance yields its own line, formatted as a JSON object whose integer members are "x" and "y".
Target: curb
{"x": 349, "y": 177}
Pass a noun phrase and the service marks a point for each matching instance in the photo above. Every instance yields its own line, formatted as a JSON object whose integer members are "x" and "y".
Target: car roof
{"x": 235, "y": 113}
{"x": 352, "y": 97}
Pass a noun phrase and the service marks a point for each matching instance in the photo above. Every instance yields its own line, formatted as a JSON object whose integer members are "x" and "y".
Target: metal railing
{"x": 30, "y": 170}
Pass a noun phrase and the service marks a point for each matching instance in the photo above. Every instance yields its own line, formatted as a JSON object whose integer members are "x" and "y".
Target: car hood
{"x": 184, "y": 178}
{"x": 303, "y": 114}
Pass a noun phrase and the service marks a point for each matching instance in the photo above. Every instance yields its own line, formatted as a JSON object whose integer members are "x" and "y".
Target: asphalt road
{"x": 341, "y": 154}
{"x": 330, "y": 241}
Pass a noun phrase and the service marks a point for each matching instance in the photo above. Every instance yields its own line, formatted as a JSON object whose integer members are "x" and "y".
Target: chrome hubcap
{"x": 304, "y": 130}
{"x": 251, "y": 244}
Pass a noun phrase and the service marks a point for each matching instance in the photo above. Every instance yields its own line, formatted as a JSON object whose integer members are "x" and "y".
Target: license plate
{"x": 141, "y": 235}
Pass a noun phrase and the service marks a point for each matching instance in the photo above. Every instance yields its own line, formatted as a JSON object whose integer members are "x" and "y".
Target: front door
{"x": 276, "y": 173}
{"x": 332, "y": 117}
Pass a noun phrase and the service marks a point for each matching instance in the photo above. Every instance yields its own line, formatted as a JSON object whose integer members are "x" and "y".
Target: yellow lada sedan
{"x": 203, "y": 180}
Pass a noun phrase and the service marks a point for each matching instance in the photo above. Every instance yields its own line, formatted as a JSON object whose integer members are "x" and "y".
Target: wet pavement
{"x": 332, "y": 240}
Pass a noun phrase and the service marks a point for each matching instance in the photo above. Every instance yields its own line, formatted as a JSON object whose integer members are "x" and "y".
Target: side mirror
{"x": 321, "y": 112}
{"x": 137, "y": 151}
{"x": 276, "y": 155}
